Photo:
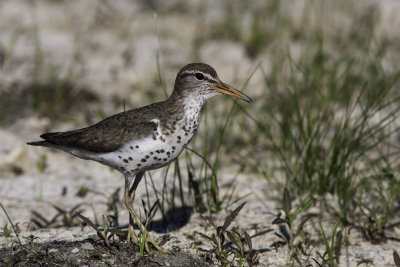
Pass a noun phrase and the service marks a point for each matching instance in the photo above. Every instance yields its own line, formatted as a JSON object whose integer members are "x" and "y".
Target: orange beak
{"x": 223, "y": 88}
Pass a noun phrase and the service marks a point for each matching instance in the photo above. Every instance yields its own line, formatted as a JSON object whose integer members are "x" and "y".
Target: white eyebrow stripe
{"x": 207, "y": 75}
{"x": 211, "y": 78}
{"x": 189, "y": 72}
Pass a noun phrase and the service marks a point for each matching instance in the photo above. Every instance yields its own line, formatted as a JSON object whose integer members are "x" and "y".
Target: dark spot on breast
{"x": 158, "y": 151}
{"x": 156, "y": 158}
{"x": 151, "y": 153}
{"x": 162, "y": 150}
{"x": 154, "y": 137}
{"x": 131, "y": 147}
{"x": 168, "y": 153}
{"x": 122, "y": 168}
{"x": 179, "y": 137}
{"x": 164, "y": 159}
{"x": 173, "y": 147}
{"x": 120, "y": 157}
{"x": 186, "y": 134}
{"x": 130, "y": 158}
{"x": 137, "y": 146}
{"x": 125, "y": 160}
{"x": 179, "y": 141}
{"x": 147, "y": 156}
{"x": 139, "y": 165}
{"x": 143, "y": 160}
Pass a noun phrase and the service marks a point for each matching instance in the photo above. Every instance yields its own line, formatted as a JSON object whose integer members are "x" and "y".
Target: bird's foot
{"x": 131, "y": 235}
{"x": 145, "y": 240}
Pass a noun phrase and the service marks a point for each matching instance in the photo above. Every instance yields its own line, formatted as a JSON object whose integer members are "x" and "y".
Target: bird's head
{"x": 201, "y": 81}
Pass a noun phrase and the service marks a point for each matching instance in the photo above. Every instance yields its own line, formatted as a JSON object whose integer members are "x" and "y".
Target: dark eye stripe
{"x": 184, "y": 74}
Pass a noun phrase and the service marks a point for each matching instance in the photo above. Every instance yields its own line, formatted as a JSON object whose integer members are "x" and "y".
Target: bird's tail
{"x": 47, "y": 143}
{"x": 41, "y": 143}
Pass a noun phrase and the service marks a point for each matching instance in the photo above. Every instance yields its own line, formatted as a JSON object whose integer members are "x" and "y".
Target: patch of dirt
{"x": 92, "y": 253}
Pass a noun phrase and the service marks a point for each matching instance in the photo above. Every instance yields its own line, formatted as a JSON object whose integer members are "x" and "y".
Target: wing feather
{"x": 107, "y": 135}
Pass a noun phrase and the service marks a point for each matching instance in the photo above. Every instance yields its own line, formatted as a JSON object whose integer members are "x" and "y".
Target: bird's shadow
{"x": 172, "y": 220}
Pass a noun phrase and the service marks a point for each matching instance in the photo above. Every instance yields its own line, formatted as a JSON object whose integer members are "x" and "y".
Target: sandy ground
{"x": 112, "y": 52}
{"x": 20, "y": 194}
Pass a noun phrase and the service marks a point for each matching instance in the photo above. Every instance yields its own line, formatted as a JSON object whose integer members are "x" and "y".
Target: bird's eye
{"x": 199, "y": 76}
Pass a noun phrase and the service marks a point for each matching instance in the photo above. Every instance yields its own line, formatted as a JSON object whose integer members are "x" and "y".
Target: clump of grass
{"x": 56, "y": 96}
{"x": 374, "y": 218}
{"x": 333, "y": 132}
{"x": 333, "y": 248}
{"x": 63, "y": 218}
{"x": 292, "y": 232}
{"x": 24, "y": 253}
{"x": 48, "y": 98}
{"x": 267, "y": 23}
{"x": 6, "y": 232}
{"x": 102, "y": 234}
{"x": 234, "y": 253}
{"x": 69, "y": 217}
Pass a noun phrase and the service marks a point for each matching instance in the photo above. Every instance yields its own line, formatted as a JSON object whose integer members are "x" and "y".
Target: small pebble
{"x": 87, "y": 246}
{"x": 75, "y": 250}
{"x": 52, "y": 250}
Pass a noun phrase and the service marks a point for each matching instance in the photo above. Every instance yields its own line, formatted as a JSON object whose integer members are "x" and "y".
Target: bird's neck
{"x": 187, "y": 102}
{"x": 188, "y": 107}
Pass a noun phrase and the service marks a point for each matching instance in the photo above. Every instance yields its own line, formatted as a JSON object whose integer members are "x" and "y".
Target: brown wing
{"x": 107, "y": 135}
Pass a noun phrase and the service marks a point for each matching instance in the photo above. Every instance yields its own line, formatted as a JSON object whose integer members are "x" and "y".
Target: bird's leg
{"x": 130, "y": 229}
{"x": 128, "y": 199}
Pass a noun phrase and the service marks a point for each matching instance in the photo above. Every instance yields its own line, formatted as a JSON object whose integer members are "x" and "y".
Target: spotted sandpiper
{"x": 146, "y": 138}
